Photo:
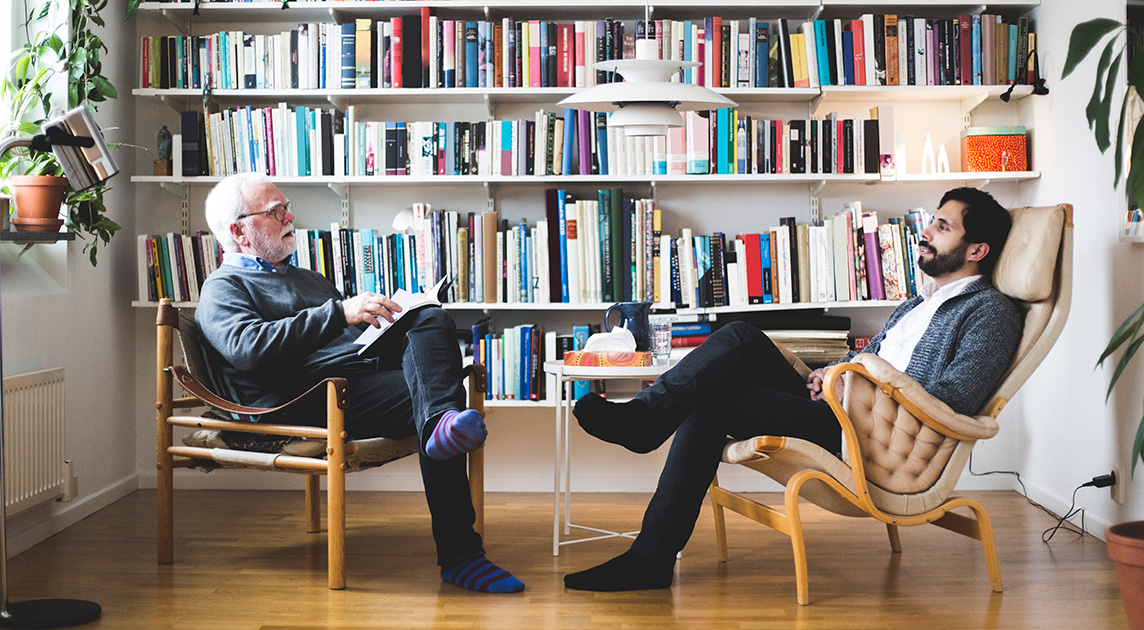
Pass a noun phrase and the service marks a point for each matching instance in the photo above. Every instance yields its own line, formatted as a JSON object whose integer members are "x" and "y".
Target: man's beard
{"x": 274, "y": 250}
{"x": 942, "y": 263}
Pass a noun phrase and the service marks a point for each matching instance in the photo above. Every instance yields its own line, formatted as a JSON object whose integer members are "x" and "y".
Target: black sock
{"x": 626, "y": 572}
{"x": 630, "y": 424}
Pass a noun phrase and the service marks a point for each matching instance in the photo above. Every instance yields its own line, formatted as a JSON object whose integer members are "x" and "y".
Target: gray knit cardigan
{"x": 966, "y": 348}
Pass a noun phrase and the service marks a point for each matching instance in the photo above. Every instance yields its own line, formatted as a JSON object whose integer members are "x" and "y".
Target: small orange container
{"x": 994, "y": 149}
{"x": 608, "y": 359}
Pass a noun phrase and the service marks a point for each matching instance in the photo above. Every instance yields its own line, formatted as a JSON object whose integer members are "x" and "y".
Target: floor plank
{"x": 243, "y": 561}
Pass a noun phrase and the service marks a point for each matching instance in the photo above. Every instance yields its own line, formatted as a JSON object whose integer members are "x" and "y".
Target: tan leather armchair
{"x": 309, "y": 450}
{"x": 904, "y": 450}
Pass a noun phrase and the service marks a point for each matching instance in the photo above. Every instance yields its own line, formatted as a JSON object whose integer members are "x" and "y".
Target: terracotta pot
{"x": 1126, "y": 548}
{"x": 37, "y": 196}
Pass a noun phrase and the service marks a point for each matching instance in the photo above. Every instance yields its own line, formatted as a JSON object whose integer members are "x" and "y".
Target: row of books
{"x": 176, "y": 265}
{"x": 849, "y": 257}
{"x": 890, "y": 49}
{"x": 422, "y": 51}
{"x": 303, "y": 141}
{"x": 606, "y": 249}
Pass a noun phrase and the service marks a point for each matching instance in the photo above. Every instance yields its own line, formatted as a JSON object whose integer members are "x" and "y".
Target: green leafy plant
{"x": 1085, "y": 39}
{"x": 53, "y": 54}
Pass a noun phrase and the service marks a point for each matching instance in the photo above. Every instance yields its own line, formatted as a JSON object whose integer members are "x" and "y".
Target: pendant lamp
{"x": 646, "y": 102}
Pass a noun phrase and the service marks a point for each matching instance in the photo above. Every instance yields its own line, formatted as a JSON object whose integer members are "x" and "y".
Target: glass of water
{"x": 660, "y": 339}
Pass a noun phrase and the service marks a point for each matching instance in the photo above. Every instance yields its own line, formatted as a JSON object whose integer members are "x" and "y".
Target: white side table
{"x": 562, "y": 468}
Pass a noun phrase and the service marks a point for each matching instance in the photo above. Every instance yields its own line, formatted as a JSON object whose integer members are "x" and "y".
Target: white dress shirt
{"x": 898, "y": 345}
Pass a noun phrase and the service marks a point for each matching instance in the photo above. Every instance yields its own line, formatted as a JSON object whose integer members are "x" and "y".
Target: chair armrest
{"x": 198, "y": 390}
{"x": 479, "y": 374}
{"x": 908, "y": 393}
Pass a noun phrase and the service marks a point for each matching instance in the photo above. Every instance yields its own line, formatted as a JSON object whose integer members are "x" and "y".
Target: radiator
{"x": 35, "y": 470}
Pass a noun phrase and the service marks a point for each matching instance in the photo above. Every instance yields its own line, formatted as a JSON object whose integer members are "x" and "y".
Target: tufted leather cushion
{"x": 1028, "y": 262}
{"x": 900, "y": 453}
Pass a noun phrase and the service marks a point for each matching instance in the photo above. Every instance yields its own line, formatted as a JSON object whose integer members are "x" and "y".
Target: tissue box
{"x": 994, "y": 149}
{"x": 607, "y": 359}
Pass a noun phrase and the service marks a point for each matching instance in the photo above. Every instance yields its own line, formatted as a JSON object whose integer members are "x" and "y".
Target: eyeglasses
{"x": 278, "y": 212}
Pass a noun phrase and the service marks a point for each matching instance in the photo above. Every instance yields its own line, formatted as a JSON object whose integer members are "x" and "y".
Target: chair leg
{"x": 895, "y": 539}
{"x": 336, "y": 490}
{"x": 166, "y": 508}
{"x": 720, "y": 522}
{"x": 798, "y": 544}
{"x": 988, "y": 544}
{"x": 313, "y": 506}
{"x": 477, "y": 488}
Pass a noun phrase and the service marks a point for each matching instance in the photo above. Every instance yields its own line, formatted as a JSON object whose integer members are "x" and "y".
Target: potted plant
{"x": 1125, "y": 540}
{"x": 48, "y": 59}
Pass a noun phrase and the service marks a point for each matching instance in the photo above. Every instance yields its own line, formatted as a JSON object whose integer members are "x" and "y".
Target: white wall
{"x": 1068, "y": 431}
{"x": 85, "y": 325}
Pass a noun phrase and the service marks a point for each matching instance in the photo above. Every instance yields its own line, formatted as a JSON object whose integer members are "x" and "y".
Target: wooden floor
{"x": 259, "y": 569}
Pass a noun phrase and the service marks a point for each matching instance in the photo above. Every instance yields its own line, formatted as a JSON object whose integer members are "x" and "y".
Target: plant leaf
{"x": 1138, "y": 446}
{"x": 103, "y": 86}
{"x": 1118, "y": 156}
{"x": 1105, "y": 108}
{"x": 1091, "y": 111}
{"x": 1128, "y": 329}
{"x": 1136, "y": 166}
{"x": 132, "y": 7}
{"x": 1124, "y": 360}
{"x": 1085, "y": 37}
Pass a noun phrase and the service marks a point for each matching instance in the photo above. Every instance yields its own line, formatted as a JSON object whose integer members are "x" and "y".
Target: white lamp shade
{"x": 646, "y": 119}
{"x": 646, "y": 102}
{"x": 607, "y": 97}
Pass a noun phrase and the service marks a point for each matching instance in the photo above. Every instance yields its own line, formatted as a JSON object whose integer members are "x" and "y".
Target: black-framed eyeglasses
{"x": 278, "y": 212}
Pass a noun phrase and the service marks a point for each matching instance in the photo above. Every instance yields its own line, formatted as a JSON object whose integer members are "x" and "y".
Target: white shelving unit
{"x": 683, "y": 196}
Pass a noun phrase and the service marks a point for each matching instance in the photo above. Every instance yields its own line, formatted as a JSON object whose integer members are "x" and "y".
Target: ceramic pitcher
{"x": 634, "y": 317}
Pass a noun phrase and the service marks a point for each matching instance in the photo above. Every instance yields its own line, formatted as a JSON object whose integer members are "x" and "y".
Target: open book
{"x": 409, "y": 302}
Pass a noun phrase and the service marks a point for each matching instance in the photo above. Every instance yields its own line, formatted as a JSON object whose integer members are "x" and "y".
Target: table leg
{"x": 568, "y": 462}
{"x": 556, "y": 470}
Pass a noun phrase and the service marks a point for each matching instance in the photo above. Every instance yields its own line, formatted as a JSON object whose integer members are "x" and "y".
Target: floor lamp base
{"x": 49, "y": 613}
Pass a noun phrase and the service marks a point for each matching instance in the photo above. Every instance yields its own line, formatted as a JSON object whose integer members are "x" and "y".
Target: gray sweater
{"x": 966, "y": 348}
{"x": 275, "y": 335}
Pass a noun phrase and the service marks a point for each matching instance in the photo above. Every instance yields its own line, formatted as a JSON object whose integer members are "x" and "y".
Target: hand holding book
{"x": 408, "y": 302}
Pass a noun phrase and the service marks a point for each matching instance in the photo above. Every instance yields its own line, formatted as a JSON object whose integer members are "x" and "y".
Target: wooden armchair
{"x": 903, "y": 449}
{"x": 309, "y": 450}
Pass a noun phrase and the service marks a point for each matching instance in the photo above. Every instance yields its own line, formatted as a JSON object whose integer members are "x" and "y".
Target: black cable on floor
{"x": 1060, "y": 519}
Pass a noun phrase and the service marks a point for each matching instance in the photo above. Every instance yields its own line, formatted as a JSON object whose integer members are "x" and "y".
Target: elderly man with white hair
{"x": 276, "y": 330}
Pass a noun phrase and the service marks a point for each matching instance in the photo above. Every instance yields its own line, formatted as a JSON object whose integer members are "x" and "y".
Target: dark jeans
{"x": 414, "y": 376}
{"x": 736, "y": 384}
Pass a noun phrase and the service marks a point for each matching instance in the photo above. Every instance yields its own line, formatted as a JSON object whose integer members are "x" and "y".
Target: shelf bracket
{"x": 812, "y": 105}
{"x": 174, "y": 19}
{"x": 817, "y": 12}
{"x": 341, "y": 190}
{"x": 340, "y": 102}
{"x": 815, "y": 209}
{"x": 174, "y": 102}
{"x": 184, "y": 211}
{"x": 978, "y": 10}
{"x": 970, "y": 104}
{"x": 178, "y": 190}
{"x": 490, "y": 203}
{"x": 490, "y": 106}
{"x": 652, "y": 192}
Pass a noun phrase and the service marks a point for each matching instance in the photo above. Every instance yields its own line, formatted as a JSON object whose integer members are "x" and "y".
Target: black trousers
{"x": 413, "y": 376}
{"x": 736, "y": 384}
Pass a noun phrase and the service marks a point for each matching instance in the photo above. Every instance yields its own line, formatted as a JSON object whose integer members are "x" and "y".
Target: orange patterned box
{"x": 607, "y": 359}
{"x": 994, "y": 149}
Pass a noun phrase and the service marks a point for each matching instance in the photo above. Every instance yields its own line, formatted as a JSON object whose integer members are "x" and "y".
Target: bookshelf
{"x": 705, "y": 202}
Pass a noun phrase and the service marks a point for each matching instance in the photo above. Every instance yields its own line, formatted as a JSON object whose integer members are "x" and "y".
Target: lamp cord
{"x": 1046, "y": 536}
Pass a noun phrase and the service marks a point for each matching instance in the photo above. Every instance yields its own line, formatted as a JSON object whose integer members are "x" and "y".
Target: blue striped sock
{"x": 456, "y": 433}
{"x": 478, "y": 574}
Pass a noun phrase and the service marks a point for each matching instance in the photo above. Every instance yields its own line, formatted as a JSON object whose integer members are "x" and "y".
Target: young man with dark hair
{"x": 956, "y": 339}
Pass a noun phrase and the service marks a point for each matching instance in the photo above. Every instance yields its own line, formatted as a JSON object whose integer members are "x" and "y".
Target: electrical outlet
{"x": 1117, "y": 489}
